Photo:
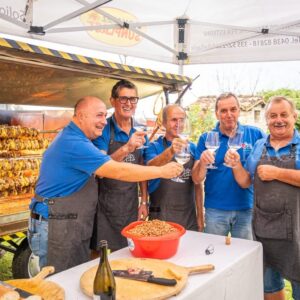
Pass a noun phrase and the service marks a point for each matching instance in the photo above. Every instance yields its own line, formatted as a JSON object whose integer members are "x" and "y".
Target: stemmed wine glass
{"x": 184, "y": 129}
{"x": 140, "y": 124}
{"x": 212, "y": 143}
{"x": 235, "y": 142}
{"x": 183, "y": 132}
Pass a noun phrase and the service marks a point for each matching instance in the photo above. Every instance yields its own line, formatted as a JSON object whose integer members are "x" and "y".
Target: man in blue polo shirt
{"x": 63, "y": 208}
{"x": 118, "y": 203}
{"x": 171, "y": 200}
{"x": 274, "y": 167}
{"x": 228, "y": 207}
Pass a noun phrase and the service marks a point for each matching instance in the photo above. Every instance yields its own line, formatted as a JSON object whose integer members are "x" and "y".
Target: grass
{"x": 5, "y": 266}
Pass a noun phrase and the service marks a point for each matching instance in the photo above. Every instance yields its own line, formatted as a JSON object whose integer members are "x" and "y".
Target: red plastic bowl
{"x": 160, "y": 247}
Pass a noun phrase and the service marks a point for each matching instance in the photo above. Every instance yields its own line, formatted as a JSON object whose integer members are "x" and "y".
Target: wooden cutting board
{"x": 48, "y": 290}
{"x": 132, "y": 289}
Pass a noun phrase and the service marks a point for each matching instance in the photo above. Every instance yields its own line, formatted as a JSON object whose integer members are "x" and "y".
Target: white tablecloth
{"x": 238, "y": 273}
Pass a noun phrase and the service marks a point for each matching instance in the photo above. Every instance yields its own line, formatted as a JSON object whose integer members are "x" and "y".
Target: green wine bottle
{"x": 104, "y": 282}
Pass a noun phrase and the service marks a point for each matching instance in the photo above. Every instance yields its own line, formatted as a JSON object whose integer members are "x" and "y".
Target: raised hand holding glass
{"x": 182, "y": 157}
{"x": 235, "y": 142}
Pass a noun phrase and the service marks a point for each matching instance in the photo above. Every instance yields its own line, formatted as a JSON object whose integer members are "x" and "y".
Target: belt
{"x": 38, "y": 217}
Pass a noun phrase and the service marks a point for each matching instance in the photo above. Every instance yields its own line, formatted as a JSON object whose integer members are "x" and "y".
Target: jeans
{"x": 221, "y": 222}
{"x": 38, "y": 239}
{"x": 274, "y": 282}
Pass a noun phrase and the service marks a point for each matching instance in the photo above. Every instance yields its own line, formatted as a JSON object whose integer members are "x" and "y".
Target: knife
{"x": 145, "y": 276}
{"x": 22, "y": 293}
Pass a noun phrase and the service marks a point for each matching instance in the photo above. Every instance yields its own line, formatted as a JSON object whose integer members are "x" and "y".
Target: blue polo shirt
{"x": 155, "y": 148}
{"x": 66, "y": 166}
{"x": 102, "y": 142}
{"x": 221, "y": 189}
{"x": 256, "y": 153}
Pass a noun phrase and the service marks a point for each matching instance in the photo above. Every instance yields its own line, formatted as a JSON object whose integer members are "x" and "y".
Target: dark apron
{"x": 276, "y": 218}
{"x": 70, "y": 227}
{"x": 175, "y": 201}
{"x": 117, "y": 204}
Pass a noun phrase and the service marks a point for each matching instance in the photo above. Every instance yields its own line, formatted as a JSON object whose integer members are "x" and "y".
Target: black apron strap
{"x": 117, "y": 203}
{"x": 112, "y": 131}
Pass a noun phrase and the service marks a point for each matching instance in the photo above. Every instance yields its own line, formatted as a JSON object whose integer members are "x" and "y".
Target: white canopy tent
{"x": 174, "y": 31}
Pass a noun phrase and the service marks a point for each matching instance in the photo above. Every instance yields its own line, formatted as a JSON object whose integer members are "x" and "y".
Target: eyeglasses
{"x": 124, "y": 99}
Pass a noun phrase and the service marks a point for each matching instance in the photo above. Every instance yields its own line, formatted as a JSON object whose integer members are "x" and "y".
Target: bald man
{"x": 64, "y": 204}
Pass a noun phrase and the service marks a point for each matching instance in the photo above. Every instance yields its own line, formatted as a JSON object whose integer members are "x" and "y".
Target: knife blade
{"x": 145, "y": 276}
{"x": 22, "y": 293}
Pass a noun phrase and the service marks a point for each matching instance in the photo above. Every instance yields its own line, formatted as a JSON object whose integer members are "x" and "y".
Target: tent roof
{"x": 174, "y": 31}
{"x": 37, "y": 75}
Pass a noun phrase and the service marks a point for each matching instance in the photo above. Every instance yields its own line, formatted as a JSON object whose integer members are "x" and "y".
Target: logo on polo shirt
{"x": 246, "y": 146}
{"x": 246, "y": 150}
{"x": 130, "y": 158}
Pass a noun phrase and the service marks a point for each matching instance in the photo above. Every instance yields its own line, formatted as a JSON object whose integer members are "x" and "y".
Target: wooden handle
{"x": 200, "y": 269}
{"x": 43, "y": 274}
{"x": 8, "y": 294}
{"x": 153, "y": 133}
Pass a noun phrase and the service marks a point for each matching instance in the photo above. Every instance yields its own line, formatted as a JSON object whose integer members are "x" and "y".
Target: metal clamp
{"x": 210, "y": 249}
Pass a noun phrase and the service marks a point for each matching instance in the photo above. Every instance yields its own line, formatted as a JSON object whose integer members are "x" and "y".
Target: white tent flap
{"x": 174, "y": 31}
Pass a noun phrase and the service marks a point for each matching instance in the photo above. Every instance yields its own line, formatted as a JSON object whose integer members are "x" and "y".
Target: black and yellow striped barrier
{"x": 17, "y": 235}
{"x": 8, "y": 43}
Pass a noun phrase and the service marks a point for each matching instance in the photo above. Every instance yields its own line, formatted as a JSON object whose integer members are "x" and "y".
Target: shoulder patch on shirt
{"x": 247, "y": 146}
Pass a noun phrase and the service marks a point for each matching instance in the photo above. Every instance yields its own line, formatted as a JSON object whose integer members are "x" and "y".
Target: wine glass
{"x": 212, "y": 143}
{"x": 182, "y": 158}
{"x": 140, "y": 124}
{"x": 183, "y": 132}
{"x": 235, "y": 142}
{"x": 184, "y": 129}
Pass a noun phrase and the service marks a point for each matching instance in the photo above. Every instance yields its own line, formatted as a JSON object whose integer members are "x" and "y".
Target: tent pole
{"x": 178, "y": 101}
{"x": 180, "y": 68}
{"x": 182, "y": 55}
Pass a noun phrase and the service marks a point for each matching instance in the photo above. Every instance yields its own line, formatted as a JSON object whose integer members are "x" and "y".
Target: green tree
{"x": 201, "y": 121}
{"x": 291, "y": 94}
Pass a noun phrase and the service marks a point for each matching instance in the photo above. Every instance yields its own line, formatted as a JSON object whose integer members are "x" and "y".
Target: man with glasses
{"x": 228, "y": 207}
{"x": 118, "y": 203}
